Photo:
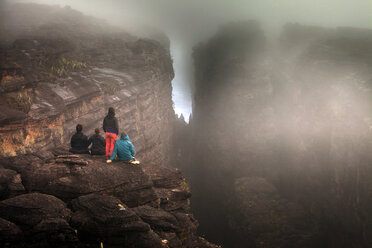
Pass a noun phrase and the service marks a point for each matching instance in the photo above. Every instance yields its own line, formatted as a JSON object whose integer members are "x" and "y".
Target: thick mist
{"x": 188, "y": 22}
{"x": 278, "y": 148}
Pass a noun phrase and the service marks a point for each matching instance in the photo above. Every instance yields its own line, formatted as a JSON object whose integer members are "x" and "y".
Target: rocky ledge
{"x": 54, "y": 199}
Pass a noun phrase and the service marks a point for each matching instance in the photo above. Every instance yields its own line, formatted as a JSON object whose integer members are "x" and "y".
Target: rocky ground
{"x": 63, "y": 200}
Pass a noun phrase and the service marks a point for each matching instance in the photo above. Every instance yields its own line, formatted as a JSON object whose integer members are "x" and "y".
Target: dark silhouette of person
{"x": 98, "y": 143}
{"x": 79, "y": 141}
{"x": 110, "y": 126}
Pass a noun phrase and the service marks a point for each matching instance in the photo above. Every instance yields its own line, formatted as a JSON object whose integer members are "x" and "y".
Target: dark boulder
{"x": 102, "y": 218}
{"x": 37, "y": 176}
{"x": 30, "y": 209}
{"x": 54, "y": 232}
{"x": 164, "y": 177}
{"x": 10, "y": 183}
{"x": 170, "y": 187}
{"x": 126, "y": 182}
{"x": 9, "y": 232}
{"x": 44, "y": 155}
{"x": 20, "y": 163}
{"x": 177, "y": 228}
{"x": 157, "y": 218}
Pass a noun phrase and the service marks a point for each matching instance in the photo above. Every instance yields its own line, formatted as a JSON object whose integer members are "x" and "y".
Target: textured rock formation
{"x": 68, "y": 181}
{"x": 107, "y": 219}
{"x": 9, "y": 231}
{"x": 55, "y": 75}
{"x": 60, "y": 68}
{"x": 293, "y": 118}
{"x": 117, "y": 204}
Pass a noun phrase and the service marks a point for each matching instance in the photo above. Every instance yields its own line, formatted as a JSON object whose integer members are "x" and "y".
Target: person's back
{"x": 98, "y": 143}
{"x": 79, "y": 141}
{"x": 110, "y": 123}
{"x": 110, "y": 126}
{"x": 123, "y": 148}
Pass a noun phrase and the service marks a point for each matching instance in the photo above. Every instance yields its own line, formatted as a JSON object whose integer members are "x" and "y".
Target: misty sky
{"x": 187, "y": 22}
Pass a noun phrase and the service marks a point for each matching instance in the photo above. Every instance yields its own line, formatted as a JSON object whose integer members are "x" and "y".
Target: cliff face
{"x": 60, "y": 68}
{"x": 283, "y": 132}
{"x": 63, "y": 68}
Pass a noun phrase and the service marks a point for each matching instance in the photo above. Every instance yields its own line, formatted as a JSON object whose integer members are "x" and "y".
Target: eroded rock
{"x": 10, "y": 183}
{"x": 105, "y": 218}
{"x": 9, "y": 232}
{"x": 30, "y": 209}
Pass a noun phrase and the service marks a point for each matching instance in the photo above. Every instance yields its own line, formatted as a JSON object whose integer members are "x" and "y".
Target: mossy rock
{"x": 21, "y": 101}
{"x": 185, "y": 187}
{"x": 62, "y": 67}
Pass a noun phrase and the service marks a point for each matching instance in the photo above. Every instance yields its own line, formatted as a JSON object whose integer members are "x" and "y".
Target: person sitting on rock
{"x": 124, "y": 149}
{"x": 79, "y": 141}
{"x": 98, "y": 143}
{"x": 110, "y": 126}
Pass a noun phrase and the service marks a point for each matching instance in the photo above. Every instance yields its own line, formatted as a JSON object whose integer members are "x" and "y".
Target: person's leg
{"x": 113, "y": 140}
{"x": 108, "y": 144}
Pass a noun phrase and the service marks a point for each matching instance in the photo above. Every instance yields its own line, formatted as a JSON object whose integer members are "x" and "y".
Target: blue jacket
{"x": 124, "y": 149}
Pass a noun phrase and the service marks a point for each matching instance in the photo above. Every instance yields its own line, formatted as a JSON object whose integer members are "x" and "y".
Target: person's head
{"x": 97, "y": 131}
{"x": 123, "y": 134}
{"x": 111, "y": 111}
{"x": 79, "y": 128}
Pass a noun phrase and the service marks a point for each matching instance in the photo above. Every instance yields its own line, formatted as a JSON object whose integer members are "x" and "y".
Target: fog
{"x": 189, "y": 22}
{"x": 280, "y": 141}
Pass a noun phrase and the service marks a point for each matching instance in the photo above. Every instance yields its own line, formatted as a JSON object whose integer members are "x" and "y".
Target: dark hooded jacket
{"x": 98, "y": 144}
{"x": 110, "y": 123}
{"x": 79, "y": 143}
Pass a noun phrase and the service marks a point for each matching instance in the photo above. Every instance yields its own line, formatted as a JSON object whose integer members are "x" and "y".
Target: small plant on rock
{"x": 21, "y": 101}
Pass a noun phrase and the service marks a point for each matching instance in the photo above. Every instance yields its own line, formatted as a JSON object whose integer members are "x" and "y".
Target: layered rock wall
{"x": 60, "y": 68}
{"x": 55, "y": 75}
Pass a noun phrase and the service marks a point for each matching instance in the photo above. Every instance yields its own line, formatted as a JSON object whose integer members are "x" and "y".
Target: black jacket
{"x": 110, "y": 124}
{"x": 98, "y": 144}
{"x": 79, "y": 143}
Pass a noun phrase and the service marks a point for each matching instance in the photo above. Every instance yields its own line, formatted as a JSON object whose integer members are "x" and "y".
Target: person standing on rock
{"x": 79, "y": 141}
{"x": 98, "y": 143}
{"x": 110, "y": 126}
{"x": 124, "y": 149}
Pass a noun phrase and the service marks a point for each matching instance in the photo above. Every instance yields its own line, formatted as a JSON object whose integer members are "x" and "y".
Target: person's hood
{"x": 124, "y": 137}
{"x": 111, "y": 113}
